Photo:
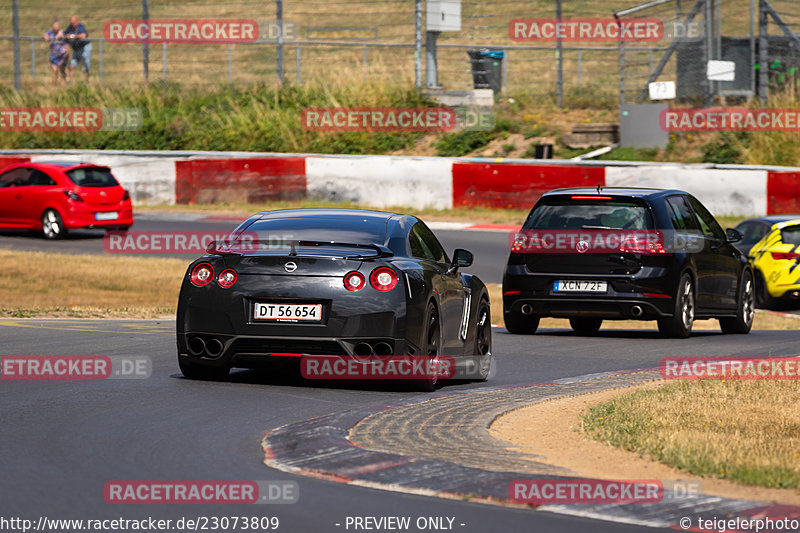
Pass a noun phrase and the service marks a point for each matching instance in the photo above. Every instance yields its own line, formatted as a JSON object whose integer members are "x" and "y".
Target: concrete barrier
{"x": 442, "y": 183}
{"x": 515, "y": 185}
{"x": 783, "y": 192}
{"x": 240, "y": 180}
{"x": 724, "y": 192}
{"x": 382, "y": 181}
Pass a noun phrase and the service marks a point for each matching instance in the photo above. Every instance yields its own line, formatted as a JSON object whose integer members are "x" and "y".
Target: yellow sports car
{"x": 776, "y": 261}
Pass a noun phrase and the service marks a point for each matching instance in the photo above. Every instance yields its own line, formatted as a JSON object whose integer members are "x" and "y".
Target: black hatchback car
{"x": 623, "y": 253}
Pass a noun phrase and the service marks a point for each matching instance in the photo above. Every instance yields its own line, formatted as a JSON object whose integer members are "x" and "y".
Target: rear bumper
{"x": 607, "y": 308}
{"x": 248, "y": 351}
{"x": 83, "y": 217}
{"x": 627, "y": 297}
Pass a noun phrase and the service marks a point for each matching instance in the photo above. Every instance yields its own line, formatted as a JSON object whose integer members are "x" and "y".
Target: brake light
{"x": 202, "y": 275}
{"x": 75, "y": 197}
{"x": 126, "y": 196}
{"x": 656, "y": 295}
{"x": 383, "y": 279}
{"x": 227, "y": 278}
{"x": 653, "y": 243}
{"x": 512, "y": 293}
{"x": 590, "y": 197}
{"x": 781, "y": 256}
{"x": 518, "y": 244}
{"x": 354, "y": 281}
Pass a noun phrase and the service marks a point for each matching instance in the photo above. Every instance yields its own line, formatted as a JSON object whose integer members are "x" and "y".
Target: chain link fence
{"x": 364, "y": 41}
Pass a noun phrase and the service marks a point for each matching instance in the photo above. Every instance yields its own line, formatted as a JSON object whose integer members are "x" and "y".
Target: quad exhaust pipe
{"x": 383, "y": 348}
{"x": 363, "y": 348}
{"x": 527, "y": 309}
{"x": 198, "y": 346}
{"x": 637, "y": 311}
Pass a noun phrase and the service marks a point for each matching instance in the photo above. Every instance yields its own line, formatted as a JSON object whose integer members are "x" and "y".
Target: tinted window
{"x": 351, "y": 231}
{"x": 589, "y": 214}
{"x": 680, "y": 214}
{"x": 15, "y": 178}
{"x": 38, "y": 177}
{"x": 752, "y": 232}
{"x": 425, "y": 245}
{"x": 791, "y": 235}
{"x": 708, "y": 225}
{"x": 92, "y": 177}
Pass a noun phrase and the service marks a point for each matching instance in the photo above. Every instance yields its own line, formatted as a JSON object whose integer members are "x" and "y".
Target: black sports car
{"x": 332, "y": 282}
{"x": 616, "y": 253}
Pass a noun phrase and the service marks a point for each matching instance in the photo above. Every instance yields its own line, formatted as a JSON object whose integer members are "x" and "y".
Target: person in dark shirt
{"x": 59, "y": 51}
{"x": 76, "y": 35}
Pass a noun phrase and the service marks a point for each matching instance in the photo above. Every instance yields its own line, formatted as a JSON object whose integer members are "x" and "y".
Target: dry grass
{"x": 745, "y": 431}
{"x": 62, "y": 285}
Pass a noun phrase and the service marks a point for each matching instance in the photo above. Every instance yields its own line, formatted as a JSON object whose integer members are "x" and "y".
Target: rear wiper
{"x": 595, "y": 227}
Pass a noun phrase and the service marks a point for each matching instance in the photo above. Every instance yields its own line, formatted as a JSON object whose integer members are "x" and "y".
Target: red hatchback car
{"x": 57, "y": 197}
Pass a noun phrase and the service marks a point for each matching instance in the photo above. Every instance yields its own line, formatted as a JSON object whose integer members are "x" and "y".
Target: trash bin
{"x": 487, "y": 68}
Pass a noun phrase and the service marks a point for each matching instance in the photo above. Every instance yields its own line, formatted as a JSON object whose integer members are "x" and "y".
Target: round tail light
{"x": 354, "y": 281}
{"x": 383, "y": 279}
{"x": 227, "y": 278}
{"x": 202, "y": 274}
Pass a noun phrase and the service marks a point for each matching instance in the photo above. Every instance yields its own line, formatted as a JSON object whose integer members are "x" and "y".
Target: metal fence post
{"x": 418, "y": 43}
{"x": 230, "y": 62}
{"x": 366, "y": 65}
{"x": 297, "y": 73}
{"x": 33, "y": 59}
{"x": 145, "y": 44}
{"x": 560, "y": 59}
{"x": 15, "y": 23}
{"x": 279, "y": 45}
{"x": 164, "y": 61}
{"x": 580, "y": 66}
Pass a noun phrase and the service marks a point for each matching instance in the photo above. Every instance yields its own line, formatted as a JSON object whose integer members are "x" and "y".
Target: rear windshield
{"x": 791, "y": 235}
{"x": 271, "y": 233}
{"x": 92, "y": 177}
{"x": 590, "y": 214}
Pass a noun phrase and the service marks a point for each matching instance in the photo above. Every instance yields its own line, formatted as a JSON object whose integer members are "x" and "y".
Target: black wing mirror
{"x": 461, "y": 258}
{"x": 733, "y": 235}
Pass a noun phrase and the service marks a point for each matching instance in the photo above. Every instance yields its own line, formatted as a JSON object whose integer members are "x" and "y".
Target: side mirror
{"x": 733, "y": 235}
{"x": 462, "y": 258}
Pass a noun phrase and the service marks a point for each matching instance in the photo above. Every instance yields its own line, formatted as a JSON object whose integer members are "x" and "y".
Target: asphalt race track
{"x": 62, "y": 440}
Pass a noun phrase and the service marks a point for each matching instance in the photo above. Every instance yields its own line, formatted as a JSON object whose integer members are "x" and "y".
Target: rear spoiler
{"x": 243, "y": 246}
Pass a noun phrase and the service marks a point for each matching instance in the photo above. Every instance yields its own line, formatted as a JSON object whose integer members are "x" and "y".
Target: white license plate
{"x": 574, "y": 285}
{"x": 110, "y": 215}
{"x": 288, "y": 312}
